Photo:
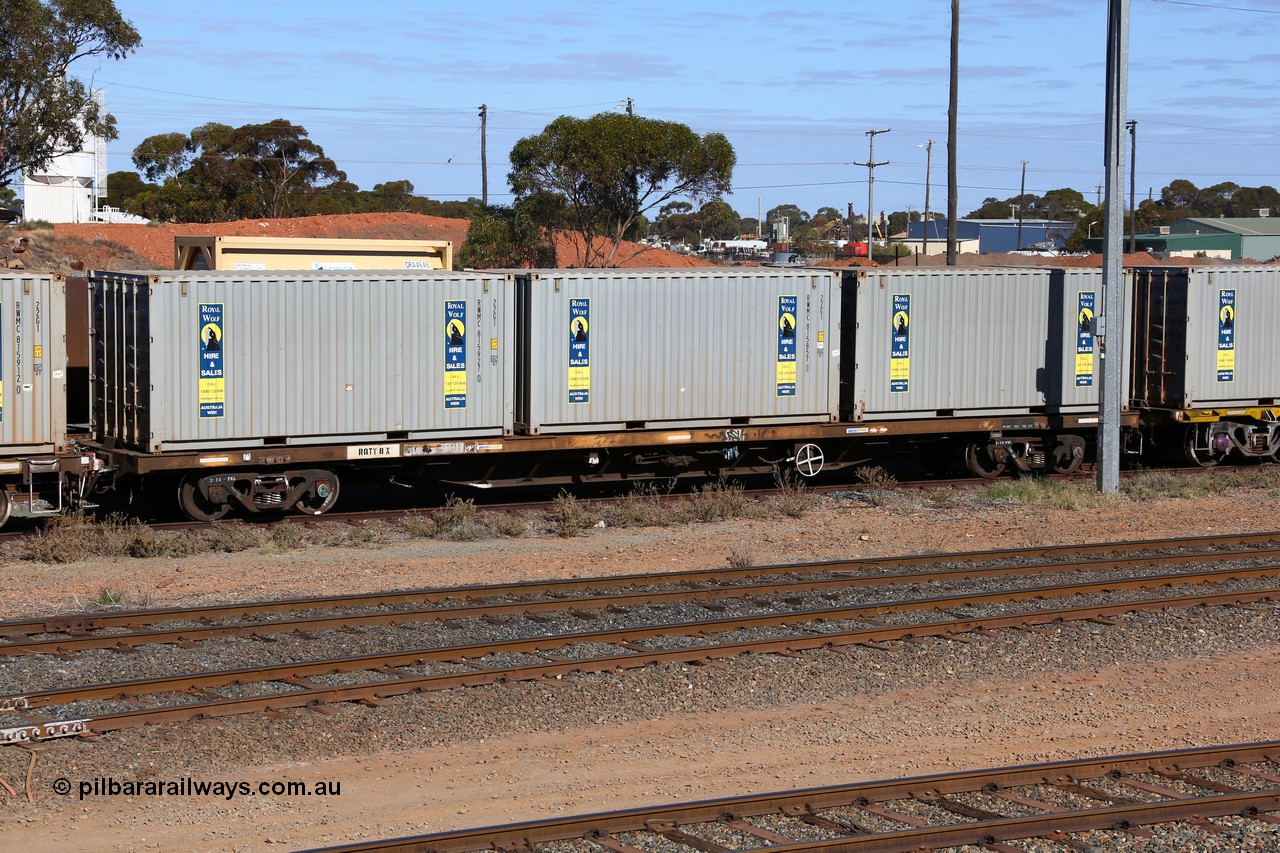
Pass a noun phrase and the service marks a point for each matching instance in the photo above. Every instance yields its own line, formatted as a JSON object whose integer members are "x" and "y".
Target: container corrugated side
{"x": 33, "y": 363}
{"x": 1075, "y": 359}
{"x": 655, "y": 348}
{"x": 924, "y": 343}
{"x": 1206, "y": 338}
{"x": 301, "y": 357}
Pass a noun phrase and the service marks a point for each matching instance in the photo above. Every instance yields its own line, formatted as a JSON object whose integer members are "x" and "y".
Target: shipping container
{"x": 654, "y": 348}
{"x": 309, "y": 253}
{"x": 1206, "y": 338}
{"x": 203, "y": 360}
{"x": 920, "y": 343}
{"x": 33, "y": 363}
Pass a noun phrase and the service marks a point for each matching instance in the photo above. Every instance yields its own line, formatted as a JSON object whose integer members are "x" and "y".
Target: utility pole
{"x": 871, "y": 181}
{"x": 1132, "y": 124}
{"x": 631, "y": 107}
{"x": 484, "y": 157}
{"x": 928, "y": 179}
{"x": 1021, "y": 202}
{"x": 1111, "y": 326}
{"x": 952, "y": 108}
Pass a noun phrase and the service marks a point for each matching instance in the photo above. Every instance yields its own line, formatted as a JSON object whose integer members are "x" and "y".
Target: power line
{"x": 1216, "y": 6}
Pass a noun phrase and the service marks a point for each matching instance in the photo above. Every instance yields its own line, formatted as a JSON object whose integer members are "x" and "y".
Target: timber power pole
{"x": 484, "y": 157}
{"x": 952, "y": 108}
{"x": 871, "y": 181}
{"x": 1022, "y": 202}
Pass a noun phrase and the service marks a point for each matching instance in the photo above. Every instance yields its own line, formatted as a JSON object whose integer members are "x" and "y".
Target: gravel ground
{"x": 664, "y": 733}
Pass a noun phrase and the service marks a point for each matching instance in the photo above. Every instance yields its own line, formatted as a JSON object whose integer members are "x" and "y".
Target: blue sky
{"x": 391, "y": 88}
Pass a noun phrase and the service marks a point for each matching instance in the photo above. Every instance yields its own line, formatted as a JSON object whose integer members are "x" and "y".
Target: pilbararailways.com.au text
{"x": 188, "y": 787}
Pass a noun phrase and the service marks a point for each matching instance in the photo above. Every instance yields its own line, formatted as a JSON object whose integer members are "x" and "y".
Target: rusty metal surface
{"x": 620, "y": 600}
{"x": 808, "y": 804}
{"x": 407, "y": 683}
{"x": 81, "y": 622}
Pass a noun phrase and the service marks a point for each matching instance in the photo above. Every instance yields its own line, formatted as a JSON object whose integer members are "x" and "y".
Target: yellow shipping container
{"x": 309, "y": 253}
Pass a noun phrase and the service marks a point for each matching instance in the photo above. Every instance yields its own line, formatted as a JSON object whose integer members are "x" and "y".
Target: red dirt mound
{"x": 87, "y": 241}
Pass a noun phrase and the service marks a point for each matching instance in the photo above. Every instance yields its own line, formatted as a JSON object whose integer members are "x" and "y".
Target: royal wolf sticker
{"x": 900, "y": 345}
{"x": 213, "y": 380}
{"x": 579, "y": 350}
{"x": 1085, "y": 309}
{"x": 1227, "y": 335}
{"x": 785, "y": 379}
{"x": 455, "y": 354}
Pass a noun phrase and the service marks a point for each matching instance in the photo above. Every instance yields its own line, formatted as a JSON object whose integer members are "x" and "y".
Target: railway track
{"x": 545, "y": 641}
{"x": 1073, "y": 805}
{"x": 774, "y": 586}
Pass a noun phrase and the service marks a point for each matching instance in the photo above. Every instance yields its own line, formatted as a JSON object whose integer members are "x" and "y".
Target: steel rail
{"x": 807, "y": 805}
{"x": 131, "y": 618}
{"x": 189, "y": 635}
{"x": 309, "y": 693}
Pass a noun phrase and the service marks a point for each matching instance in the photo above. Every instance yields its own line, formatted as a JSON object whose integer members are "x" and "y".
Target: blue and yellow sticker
{"x": 455, "y": 354}
{"x": 213, "y": 380}
{"x": 900, "y": 345}
{"x": 785, "y": 377}
{"x": 579, "y": 350}
{"x": 1086, "y": 308}
{"x": 1227, "y": 336}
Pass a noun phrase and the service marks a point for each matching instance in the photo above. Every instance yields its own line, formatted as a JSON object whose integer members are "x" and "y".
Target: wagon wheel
{"x": 1199, "y": 449}
{"x": 195, "y": 505}
{"x": 1067, "y": 460}
{"x": 980, "y": 463}
{"x": 319, "y": 499}
{"x": 6, "y": 506}
{"x": 809, "y": 460}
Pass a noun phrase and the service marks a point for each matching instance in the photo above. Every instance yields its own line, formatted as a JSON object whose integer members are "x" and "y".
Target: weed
{"x": 504, "y": 524}
{"x": 718, "y": 501}
{"x": 569, "y": 517}
{"x": 1036, "y": 491}
{"x": 880, "y": 484}
{"x": 108, "y": 598}
{"x": 287, "y": 537}
{"x": 420, "y": 526}
{"x": 794, "y": 498}
{"x": 1149, "y": 485}
{"x": 741, "y": 557}
{"x": 642, "y": 507}
{"x": 457, "y": 519}
{"x": 233, "y": 537}
{"x": 65, "y": 539}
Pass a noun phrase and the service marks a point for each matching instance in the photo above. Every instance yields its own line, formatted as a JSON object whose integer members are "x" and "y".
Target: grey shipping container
{"x": 207, "y": 360}
{"x": 656, "y": 348}
{"x": 33, "y": 364}
{"x": 1205, "y": 338}
{"x": 970, "y": 342}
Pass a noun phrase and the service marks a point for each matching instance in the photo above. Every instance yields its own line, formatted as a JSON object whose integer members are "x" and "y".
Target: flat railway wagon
{"x": 41, "y": 469}
{"x": 262, "y": 390}
{"x": 259, "y": 390}
{"x": 1204, "y": 366}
